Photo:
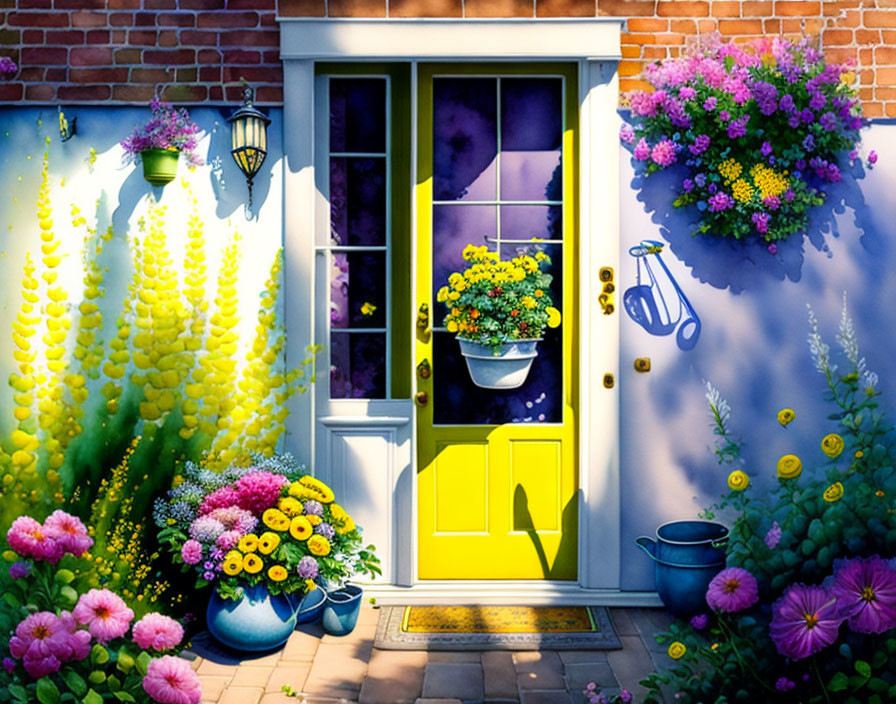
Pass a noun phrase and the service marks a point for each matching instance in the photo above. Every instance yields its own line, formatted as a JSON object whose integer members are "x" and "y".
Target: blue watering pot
{"x": 686, "y": 556}
{"x": 341, "y": 610}
{"x": 258, "y": 620}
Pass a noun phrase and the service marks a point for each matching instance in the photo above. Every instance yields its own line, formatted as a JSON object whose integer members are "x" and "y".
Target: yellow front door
{"x": 497, "y": 480}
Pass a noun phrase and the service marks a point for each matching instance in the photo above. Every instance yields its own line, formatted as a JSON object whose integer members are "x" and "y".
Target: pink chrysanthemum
{"x": 235, "y": 518}
{"x": 30, "y": 539}
{"x": 78, "y": 640}
{"x": 171, "y": 680}
{"x": 69, "y": 532}
{"x": 804, "y": 621}
{"x": 258, "y": 491}
{"x": 219, "y": 498}
{"x": 105, "y": 614}
{"x": 865, "y": 590}
{"x": 191, "y": 552}
{"x": 44, "y": 641}
{"x": 157, "y": 632}
{"x": 733, "y": 589}
{"x": 663, "y": 152}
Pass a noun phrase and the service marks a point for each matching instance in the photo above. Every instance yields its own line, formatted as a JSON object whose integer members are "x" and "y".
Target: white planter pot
{"x": 506, "y": 369}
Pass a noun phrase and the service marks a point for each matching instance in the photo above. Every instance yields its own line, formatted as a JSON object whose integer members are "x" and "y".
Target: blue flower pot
{"x": 311, "y": 606}
{"x": 256, "y": 621}
{"x": 686, "y": 556}
{"x": 341, "y": 610}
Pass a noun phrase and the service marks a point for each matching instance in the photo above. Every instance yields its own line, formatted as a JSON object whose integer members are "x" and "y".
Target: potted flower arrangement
{"x": 159, "y": 142}
{"x": 805, "y": 611}
{"x": 85, "y": 647}
{"x": 760, "y": 128}
{"x": 499, "y": 310}
{"x": 265, "y": 534}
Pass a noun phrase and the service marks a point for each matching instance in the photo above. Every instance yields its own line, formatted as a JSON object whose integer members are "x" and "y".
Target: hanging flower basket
{"x": 499, "y": 310}
{"x": 762, "y": 128}
{"x": 159, "y": 165}
{"x": 506, "y": 367}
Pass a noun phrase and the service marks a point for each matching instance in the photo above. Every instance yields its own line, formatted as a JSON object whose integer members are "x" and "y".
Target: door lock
{"x": 424, "y": 370}
{"x": 423, "y": 317}
{"x": 609, "y": 381}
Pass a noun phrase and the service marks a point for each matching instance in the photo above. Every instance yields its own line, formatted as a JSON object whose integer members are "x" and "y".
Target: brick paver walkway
{"x": 325, "y": 669}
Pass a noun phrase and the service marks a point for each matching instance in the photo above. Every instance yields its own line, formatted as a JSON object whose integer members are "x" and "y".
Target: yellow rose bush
{"x": 494, "y": 301}
{"x": 262, "y": 520}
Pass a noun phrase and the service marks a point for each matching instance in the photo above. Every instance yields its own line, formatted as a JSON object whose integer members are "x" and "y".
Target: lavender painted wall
{"x": 752, "y": 345}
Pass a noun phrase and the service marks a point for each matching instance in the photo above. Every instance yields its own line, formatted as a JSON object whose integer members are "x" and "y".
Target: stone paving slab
{"x": 541, "y": 670}
{"x": 631, "y": 664}
{"x": 554, "y": 696}
{"x": 453, "y": 680}
{"x": 394, "y": 677}
{"x": 499, "y": 675}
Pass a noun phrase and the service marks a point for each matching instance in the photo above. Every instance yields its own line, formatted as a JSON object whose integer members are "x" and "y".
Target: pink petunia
{"x": 157, "y": 632}
{"x": 733, "y": 589}
{"x": 69, "y": 532}
{"x": 171, "y": 680}
{"x": 105, "y": 614}
{"x": 29, "y": 538}
{"x": 865, "y": 590}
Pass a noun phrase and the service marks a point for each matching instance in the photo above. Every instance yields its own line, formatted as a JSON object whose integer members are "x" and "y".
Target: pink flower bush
{"x": 29, "y": 538}
{"x": 157, "y": 632}
{"x": 865, "y": 590}
{"x": 171, "y": 680}
{"x": 733, "y": 589}
{"x": 104, "y": 613}
{"x": 258, "y": 491}
{"x": 44, "y": 641}
{"x": 69, "y": 532}
{"x": 224, "y": 497}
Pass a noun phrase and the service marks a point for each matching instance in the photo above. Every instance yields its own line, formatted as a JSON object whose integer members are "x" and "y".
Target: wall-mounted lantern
{"x": 67, "y": 128}
{"x": 249, "y": 138}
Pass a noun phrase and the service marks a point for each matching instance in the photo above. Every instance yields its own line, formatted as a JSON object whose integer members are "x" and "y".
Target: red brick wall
{"x": 121, "y": 51}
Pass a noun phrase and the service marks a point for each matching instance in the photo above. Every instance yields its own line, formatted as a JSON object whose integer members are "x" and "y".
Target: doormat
{"x": 495, "y": 628}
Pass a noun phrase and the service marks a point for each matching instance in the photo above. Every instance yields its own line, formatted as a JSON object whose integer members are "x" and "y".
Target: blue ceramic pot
{"x": 256, "y": 621}
{"x": 341, "y": 610}
{"x": 686, "y": 556}
{"x": 311, "y": 606}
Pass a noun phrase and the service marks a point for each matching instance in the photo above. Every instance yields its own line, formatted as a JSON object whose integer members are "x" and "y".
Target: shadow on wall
{"x": 735, "y": 265}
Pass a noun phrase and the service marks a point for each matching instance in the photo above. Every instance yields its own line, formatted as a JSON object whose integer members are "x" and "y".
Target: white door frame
{"x": 592, "y": 43}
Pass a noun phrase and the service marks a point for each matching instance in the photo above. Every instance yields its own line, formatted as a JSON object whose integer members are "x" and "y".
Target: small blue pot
{"x": 255, "y": 622}
{"x": 341, "y": 610}
{"x": 311, "y": 606}
{"x": 686, "y": 556}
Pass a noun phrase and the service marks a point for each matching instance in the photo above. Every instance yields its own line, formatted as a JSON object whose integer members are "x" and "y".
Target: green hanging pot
{"x": 159, "y": 165}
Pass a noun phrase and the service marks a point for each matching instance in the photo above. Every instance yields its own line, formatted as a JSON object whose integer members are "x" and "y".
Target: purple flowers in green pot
{"x": 168, "y": 129}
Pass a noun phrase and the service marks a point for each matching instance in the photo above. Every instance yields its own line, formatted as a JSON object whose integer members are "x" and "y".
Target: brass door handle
{"x": 421, "y": 398}
{"x": 423, "y": 317}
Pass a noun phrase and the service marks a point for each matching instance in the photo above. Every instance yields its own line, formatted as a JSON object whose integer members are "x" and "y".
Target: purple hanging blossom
{"x": 710, "y": 103}
{"x": 700, "y": 145}
{"x": 663, "y": 152}
{"x": 7, "y": 67}
{"x": 872, "y": 157}
{"x": 738, "y": 128}
{"x": 828, "y": 121}
{"x": 720, "y": 201}
{"x": 626, "y": 133}
{"x": 766, "y": 148}
{"x": 642, "y": 150}
{"x": 687, "y": 185}
{"x": 786, "y": 103}
{"x": 817, "y": 101}
{"x": 773, "y": 537}
{"x": 809, "y": 143}
{"x": 724, "y": 116}
{"x": 760, "y": 220}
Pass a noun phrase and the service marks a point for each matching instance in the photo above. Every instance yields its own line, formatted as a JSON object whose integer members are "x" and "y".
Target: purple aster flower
{"x": 625, "y": 696}
{"x": 766, "y": 148}
{"x": 771, "y": 202}
{"x": 807, "y": 116}
{"x": 786, "y": 103}
{"x": 738, "y": 128}
{"x": 872, "y": 157}
{"x": 19, "y": 570}
{"x": 307, "y": 567}
{"x": 724, "y": 116}
{"x": 773, "y": 537}
{"x": 626, "y": 133}
{"x": 720, "y": 201}
{"x": 325, "y": 529}
{"x": 314, "y": 508}
{"x": 865, "y": 589}
{"x": 9, "y": 665}
{"x": 794, "y": 121}
{"x": 766, "y": 96}
{"x": 853, "y": 155}
{"x": 784, "y": 685}
{"x": 817, "y": 101}
{"x": 216, "y": 554}
{"x": 809, "y": 143}
{"x": 773, "y": 248}
{"x": 789, "y": 195}
{"x": 804, "y": 621}
{"x": 732, "y": 589}
{"x": 642, "y": 150}
{"x": 713, "y": 188}
{"x": 699, "y": 622}
{"x": 833, "y": 173}
{"x": 687, "y": 185}
{"x": 700, "y": 145}
{"x": 208, "y": 565}
{"x": 710, "y": 103}
{"x": 760, "y": 220}
{"x": 700, "y": 180}
{"x": 209, "y": 576}
{"x": 663, "y": 152}
{"x": 687, "y": 93}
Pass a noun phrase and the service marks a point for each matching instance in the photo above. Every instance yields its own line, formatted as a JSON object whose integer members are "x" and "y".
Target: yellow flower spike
{"x": 738, "y": 480}
{"x": 832, "y": 445}
{"x": 833, "y": 493}
{"x": 789, "y": 467}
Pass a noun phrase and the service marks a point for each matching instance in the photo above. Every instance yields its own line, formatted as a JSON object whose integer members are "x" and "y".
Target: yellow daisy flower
{"x": 252, "y": 563}
{"x": 233, "y": 563}
{"x": 248, "y": 543}
{"x": 277, "y": 573}
{"x": 319, "y": 545}
{"x": 268, "y": 542}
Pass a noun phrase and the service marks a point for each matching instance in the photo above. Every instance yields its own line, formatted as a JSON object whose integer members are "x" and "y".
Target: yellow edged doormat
{"x": 496, "y": 628}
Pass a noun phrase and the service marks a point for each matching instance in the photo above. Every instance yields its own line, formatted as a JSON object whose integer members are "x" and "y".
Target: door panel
{"x": 497, "y": 478}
